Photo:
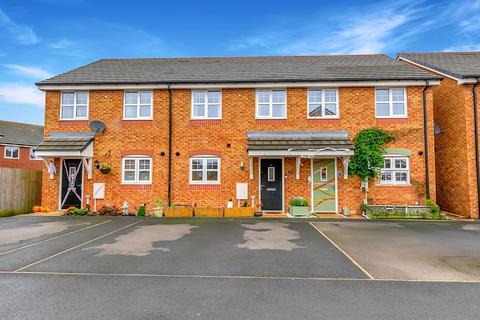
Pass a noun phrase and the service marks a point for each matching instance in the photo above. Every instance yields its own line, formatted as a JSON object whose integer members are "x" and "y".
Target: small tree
{"x": 368, "y": 157}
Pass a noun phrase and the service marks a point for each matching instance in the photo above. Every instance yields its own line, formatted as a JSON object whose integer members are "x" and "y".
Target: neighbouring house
{"x": 455, "y": 104}
{"x": 17, "y": 143}
{"x": 188, "y": 130}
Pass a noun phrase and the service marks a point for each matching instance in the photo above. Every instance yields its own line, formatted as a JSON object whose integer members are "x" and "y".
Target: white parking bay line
{"x": 53, "y": 238}
{"x": 344, "y": 252}
{"x": 75, "y": 247}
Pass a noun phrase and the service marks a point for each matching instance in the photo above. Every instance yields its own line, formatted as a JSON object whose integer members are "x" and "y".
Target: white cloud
{"x": 465, "y": 47}
{"x": 62, "y": 44}
{"x": 19, "y": 32}
{"x": 18, "y": 93}
{"x": 29, "y": 71}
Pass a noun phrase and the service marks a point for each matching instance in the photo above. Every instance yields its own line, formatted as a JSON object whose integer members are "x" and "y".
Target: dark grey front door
{"x": 271, "y": 184}
{"x": 72, "y": 178}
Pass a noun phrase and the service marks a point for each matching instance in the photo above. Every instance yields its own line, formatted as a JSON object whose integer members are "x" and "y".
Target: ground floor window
{"x": 137, "y": 170}
{"x": 204, "y": 170}
{"x": 395, "y": 171}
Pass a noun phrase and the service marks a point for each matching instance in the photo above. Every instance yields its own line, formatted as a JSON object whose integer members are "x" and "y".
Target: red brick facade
{"x": 227, "y": 138}
{"x": 23, "y": 161}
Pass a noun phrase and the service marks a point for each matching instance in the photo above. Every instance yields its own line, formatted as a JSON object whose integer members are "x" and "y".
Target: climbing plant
{"x": 368, "y": 158}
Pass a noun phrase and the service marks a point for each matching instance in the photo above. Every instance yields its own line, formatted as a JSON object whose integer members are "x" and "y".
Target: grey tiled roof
{"x": 282, "y": 140}
{"x": 240, "y": 69}
{"x": 20, "y": 133}
{"x": 66, "y": 141}
{"x": 456, "y": 64}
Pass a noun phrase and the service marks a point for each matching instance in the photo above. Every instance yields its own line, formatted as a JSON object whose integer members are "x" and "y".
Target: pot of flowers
{"x": 158, "y": 207}
{"x": 299, "y": 207}
{"x": 105, "y": 169}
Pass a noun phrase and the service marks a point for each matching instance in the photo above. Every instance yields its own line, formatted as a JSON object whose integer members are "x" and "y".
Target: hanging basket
{"x": 105, "y": 170}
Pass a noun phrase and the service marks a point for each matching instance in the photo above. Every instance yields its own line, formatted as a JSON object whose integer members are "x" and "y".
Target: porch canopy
{"x": 68, "y": 145}
{"x": 300, "y": 144}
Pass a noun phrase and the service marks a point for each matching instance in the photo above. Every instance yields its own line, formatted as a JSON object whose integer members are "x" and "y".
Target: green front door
{"x": 324, "y": 185}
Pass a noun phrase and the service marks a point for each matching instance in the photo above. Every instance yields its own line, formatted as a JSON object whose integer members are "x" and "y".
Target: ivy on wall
{"x": 368, "y": 158}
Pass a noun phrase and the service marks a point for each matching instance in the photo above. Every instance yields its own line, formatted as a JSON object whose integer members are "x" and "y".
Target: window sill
{"x": 391, "y": 120}
{"x": 79, "y": 119}
{"x": 203, "y": 122}
{"x": 393, "y": 185}
{"x": 270, "y": 120}
{"x": 137, "y": 119}
{"x": 202, "y": 187}
{"x": 136, "y": 186}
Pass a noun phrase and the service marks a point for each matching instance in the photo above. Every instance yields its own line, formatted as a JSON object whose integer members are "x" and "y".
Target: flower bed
{"x": 401, "y": 212}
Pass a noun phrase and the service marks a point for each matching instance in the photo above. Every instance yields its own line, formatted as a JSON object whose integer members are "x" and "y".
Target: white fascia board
{"x": 309, "y": 84}
{"x": 459, "y": 81}
{"x": 299, "y": 153}
{"x": 87, "y": 153}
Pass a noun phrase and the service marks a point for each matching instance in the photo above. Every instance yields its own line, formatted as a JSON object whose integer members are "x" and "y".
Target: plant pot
{"x": 299, "y": 211}
{"x": 105, "y": 170}
{"x": 239, "y": 212}
{"x": 158, "y": 212}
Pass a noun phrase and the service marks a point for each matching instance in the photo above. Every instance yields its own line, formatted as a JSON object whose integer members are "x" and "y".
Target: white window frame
{"x": 138, "y": 92}
{"x": 11, "y": 152}
{"x": 323, "y": 116}
{"x": 390, "y": 103}
{"x": 257, "y": 116}
{"x": 204, "y": 159}
{"x": 35, "y": 156}
{"x": 74, "y": 105}
{"x": 205, "y": 105}
{"x": 393, "y": 170}
{"x": 137, "y": 170}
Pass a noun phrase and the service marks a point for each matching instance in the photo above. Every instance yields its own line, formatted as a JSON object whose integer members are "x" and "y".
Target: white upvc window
{"x": 322, "y": 103}
{"x": 395, "y": 171}
{"x": 138, "y": 105}
{"x": 271, "y": 104}
{"x": 391, "y": 102}
{"x": 206, "y": 104}
{"x": 74, "y": 106}
{"x": 137, "y": 170}
{"x": 204, "y": 170}
{"x": 33, "y": 156}
{"x": 12, "y": 152}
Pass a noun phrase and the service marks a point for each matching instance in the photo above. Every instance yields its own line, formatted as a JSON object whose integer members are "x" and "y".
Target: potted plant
{"x": 158, "y": 207}
{"x": 141, "y": 211}
{"x": 105, "y": 169}
{"x": 299, "y": 207}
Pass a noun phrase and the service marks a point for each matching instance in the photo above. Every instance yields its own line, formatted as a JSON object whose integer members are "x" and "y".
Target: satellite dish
{"x": 437, "y": 130}
{"x": 97, "y": 126}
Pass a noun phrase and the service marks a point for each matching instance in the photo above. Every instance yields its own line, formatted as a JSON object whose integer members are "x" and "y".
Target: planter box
{"x": 401, "y": 212}
{"x": 299, "y": 211}
{"x": 238, "y": 212}
{"x": 178, "y": 212}
{"x": 158, "y": 212}
{"x": 208, "y": 212}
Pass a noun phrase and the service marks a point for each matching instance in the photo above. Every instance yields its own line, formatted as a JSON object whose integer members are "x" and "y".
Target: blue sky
{"x": 40, "y": 38}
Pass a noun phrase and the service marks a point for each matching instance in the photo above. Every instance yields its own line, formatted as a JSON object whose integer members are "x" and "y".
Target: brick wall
{"x": 23, "y": 162}
{"x": 357, "y": 111}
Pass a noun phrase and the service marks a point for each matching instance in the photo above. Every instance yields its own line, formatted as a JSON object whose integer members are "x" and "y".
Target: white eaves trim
{"x": 263, "y": 85}
{"x": 299, "y": 153}
{"x": 459, "y": 81}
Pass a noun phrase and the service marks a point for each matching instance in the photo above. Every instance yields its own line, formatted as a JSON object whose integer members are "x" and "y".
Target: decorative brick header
{"x": 137, "y": 152}
{"x": 206, "y": 152}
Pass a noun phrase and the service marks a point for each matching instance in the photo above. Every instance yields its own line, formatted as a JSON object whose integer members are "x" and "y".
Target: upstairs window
{"x": 74, "y": 106}
{"x": 33, "y": 156}
{"x": 12, "y": 152}
{"x": 206, "y": 104}
{"x": 136, "y": 170}
{"x": 391, "y": 103}
{"x": 271, "y": 104}
{"x": 138, "y": 105}
{"x": 204, "y": 170}
{"x": 323, "y": 103}
{"x": 395, "y": 171}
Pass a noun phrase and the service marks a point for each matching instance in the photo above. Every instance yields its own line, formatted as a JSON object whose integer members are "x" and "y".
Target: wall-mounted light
{"x": 97, "y": 164}
{"x": 242, "y": 165}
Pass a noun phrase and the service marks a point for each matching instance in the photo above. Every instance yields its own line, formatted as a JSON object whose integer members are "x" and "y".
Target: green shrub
{"x": 433, "y": 206}
{"x": 141, "y": 211}
{"x": 109, "y": 211}
{"x": 299, "y": 202}
{"x": 73, "y": 211}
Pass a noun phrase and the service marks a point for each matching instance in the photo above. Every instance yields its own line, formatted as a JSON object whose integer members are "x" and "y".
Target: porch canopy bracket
{"x": 346, "y": 161}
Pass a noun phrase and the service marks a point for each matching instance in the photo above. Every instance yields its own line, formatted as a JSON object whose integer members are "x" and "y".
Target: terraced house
{"x": 202, "y": 131}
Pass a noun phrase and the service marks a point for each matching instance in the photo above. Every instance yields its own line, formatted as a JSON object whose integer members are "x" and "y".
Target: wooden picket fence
{"x": 20, "y": 190}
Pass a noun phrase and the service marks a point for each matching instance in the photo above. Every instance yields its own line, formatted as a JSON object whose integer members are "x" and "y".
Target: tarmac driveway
{"x": 442, "y": 251}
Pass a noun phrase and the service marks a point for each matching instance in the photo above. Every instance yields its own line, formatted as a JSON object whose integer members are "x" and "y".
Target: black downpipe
{"x": 169, "y": 196}
{"x": 425, "y": 140}
{"x": 475, "y": 126}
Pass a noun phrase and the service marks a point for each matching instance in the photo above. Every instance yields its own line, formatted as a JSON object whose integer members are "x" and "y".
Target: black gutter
{"x": 475, "y": 127}
{"x": 169, "y": 196}
{"x": 425, "y": 140}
